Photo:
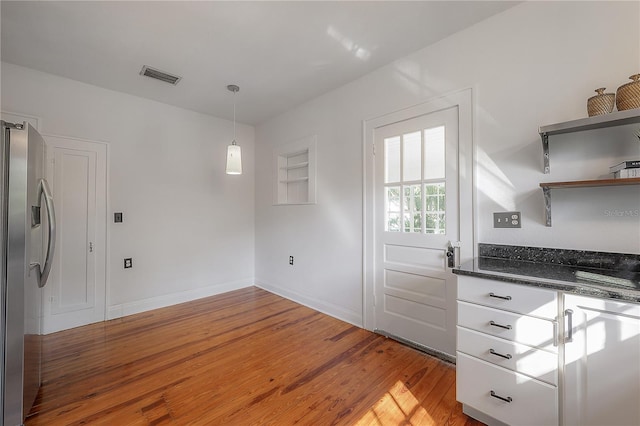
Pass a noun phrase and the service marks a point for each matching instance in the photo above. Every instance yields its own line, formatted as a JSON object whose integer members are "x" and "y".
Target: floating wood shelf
{"x": 593, "y": 183}
{"x": 590, "y": 183}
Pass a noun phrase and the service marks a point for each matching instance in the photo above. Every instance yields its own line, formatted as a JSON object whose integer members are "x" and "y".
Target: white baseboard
{"x": 324, "y": 307}
{"x": 130, "y": 308}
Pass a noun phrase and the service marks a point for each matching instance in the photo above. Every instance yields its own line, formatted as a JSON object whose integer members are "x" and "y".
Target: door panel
{"x": 415, "y": 312}
{"x": 74, "y": 184}
{"x": 417, "y": 218}
{"x": 76, "y": 294}
{"x": 416, "y": 285}
{"x": 414, "y": 256}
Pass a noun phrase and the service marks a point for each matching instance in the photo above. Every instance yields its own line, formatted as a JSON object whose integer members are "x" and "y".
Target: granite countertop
{"x": 610, "y": 280}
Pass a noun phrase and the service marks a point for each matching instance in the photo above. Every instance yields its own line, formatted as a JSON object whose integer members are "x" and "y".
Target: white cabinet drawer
{"x": 536, "y": 332}
{"x": 512, "y": 297}
{"x": 528, "y": 401}
{"x": 524, "y": 359}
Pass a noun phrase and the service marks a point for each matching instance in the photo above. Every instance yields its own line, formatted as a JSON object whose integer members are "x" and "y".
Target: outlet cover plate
{"x": 507, "y": 220}
{"x": 128, "y": 263}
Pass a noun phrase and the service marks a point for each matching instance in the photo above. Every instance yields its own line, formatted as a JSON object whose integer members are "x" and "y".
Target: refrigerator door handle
{"x": 43, "y": 273}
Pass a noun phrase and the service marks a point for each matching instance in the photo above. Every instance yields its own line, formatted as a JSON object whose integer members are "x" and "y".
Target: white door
{"x": 602, "y": 362}
{"x": 75, "y": 295}
{"x": 421, "y": 211}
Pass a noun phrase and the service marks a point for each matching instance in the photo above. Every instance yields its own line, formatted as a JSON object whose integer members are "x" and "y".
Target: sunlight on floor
{"x": 397, "y": 407}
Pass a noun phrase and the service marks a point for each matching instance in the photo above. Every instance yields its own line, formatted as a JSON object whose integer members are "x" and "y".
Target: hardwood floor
{"x": 246, "y": 357}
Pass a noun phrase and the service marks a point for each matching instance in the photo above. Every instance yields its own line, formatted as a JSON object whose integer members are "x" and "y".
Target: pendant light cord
{"x": 235, "y": 89}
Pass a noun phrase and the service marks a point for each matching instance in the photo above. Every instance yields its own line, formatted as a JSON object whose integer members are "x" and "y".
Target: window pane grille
{"x": 392, "y": 159}
{"x": 392, "y": 209}
{"x": 414, "y": 182}
{"x": 434, "y": 163}
{"x": 411, "y": 157}
{"x": 412, "y": 213}
{"x": 435, "y": 208}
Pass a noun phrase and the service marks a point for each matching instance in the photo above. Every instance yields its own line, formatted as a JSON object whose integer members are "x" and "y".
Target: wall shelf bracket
{"x": 546, "y": 193}
{"x": 545, "y": 151}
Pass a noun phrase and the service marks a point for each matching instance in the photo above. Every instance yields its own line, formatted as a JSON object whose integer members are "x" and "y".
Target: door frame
{"x": 463, "y": 99}
{"x": 107, "y": 237}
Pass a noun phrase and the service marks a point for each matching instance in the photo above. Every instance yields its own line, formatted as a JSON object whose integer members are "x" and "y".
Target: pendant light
{"x": 234, "y": 154}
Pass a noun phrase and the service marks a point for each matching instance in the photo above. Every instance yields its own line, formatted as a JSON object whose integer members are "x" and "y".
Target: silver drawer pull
{"x": 569, "y": 332}
{"x": 502, "y": 398}
{"x": 495, "y": 324}
{"x": 492, "y": 352}
{"x": 499, "y": 297}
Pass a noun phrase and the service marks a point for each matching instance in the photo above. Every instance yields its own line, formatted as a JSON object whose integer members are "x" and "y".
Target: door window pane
{"x": 392, "y": 159}
{"x": 412, "y": 156}
{"x": 435, "y": 208}
{"x": 392, "y": 209}
{"x": 434, "y": 153}
{"x": 412, "y": 212}
{"x": 414, "y": 181}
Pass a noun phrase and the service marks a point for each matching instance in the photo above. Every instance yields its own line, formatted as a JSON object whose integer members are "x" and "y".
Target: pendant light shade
{"x": 234, "y": 153}
{"x": 234, "y": 159}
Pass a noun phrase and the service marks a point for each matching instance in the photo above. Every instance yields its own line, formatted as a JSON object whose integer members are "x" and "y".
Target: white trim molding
{"x": 326, "y": 308}
{"x": 138, "y": 306}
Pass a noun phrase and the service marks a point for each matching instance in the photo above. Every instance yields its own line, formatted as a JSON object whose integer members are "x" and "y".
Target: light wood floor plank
{"x": 246, "y": 357}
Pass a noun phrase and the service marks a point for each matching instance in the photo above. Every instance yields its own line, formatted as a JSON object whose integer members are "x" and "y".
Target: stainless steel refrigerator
{"x": 28, "y": 239}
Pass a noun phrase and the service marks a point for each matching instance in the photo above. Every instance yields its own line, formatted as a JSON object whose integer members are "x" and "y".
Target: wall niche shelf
{"x": 295, "y": 174}
{"x": 618, "y": 118}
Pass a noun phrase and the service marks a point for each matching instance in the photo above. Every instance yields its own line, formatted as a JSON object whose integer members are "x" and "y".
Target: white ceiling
{"x": 281, "y": 54}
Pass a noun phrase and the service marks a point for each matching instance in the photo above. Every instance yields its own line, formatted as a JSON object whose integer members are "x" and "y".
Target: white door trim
{"x": 105, "y": 231}
{"x": 466, "y": 154}
{"x": 16, "y": 116}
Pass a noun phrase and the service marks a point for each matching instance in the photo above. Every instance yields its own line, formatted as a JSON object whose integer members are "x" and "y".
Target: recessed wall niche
{"x": 295, "y": 177}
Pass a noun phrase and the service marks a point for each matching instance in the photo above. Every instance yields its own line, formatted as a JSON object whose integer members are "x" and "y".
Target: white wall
{"x": 534, "y": 64}
{"x": 187, "y": 225}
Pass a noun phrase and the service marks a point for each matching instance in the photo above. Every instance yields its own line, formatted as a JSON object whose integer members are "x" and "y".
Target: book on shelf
{"x": 630, "y": 164}
{"x": 627, "y": 173}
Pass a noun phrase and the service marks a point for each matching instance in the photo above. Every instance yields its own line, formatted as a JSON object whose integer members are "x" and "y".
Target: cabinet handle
{"x": 492, "y": 352}
{"x": 502, "y": 398}
{"x": 569, "y": 314}
{"x": 495, "y": 324}
{"x": 499, "y": 297}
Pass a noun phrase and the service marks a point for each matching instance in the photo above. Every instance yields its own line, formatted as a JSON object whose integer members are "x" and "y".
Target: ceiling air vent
{"x": 159, "y": 75}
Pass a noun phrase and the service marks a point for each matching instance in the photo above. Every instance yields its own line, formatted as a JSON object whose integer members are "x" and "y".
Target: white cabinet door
{"x": 602, "y": 362}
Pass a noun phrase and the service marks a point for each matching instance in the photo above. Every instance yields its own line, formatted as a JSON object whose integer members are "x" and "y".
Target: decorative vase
{"x": 600, "y": 104}
{"x": 628, "y": 95}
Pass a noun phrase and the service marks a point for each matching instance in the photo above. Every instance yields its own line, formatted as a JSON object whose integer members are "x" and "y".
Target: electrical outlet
{"x": 290, "y": 260}
{"x": 507, "y": 220}
{"x": 117, "y": 217}
{"x": 128, "y": 263}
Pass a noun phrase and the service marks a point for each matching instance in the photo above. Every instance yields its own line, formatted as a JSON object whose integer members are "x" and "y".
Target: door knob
{"x": 451, "y": 256}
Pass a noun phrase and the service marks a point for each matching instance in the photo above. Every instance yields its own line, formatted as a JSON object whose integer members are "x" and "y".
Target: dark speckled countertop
{"x": 595, "y": 274}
